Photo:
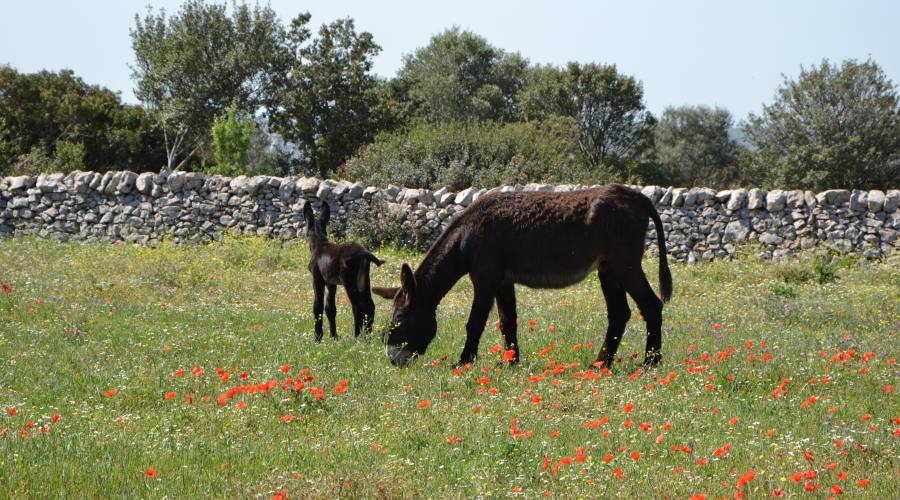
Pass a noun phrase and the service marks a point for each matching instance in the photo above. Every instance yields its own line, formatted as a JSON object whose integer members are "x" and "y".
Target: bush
{"x": 458, "y": 155}
{"x": 232, "y": 136}
{"x": 68, "y": 157}
{"x": 373, "y": 225}
{"x": 820, "y": 269}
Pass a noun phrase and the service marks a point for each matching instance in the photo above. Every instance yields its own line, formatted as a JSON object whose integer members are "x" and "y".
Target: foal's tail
{"x": 665, "y": 276}
{"x": 375, "y": 260}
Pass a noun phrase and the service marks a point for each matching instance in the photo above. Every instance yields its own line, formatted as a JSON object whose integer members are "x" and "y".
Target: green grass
{"x": 106, "y": 314}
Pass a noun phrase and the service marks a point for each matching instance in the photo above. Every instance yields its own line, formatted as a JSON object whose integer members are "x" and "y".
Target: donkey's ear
{"x": 407, "y": 280}
{"x": 385, "y": 293}
{"x": 324, "y": 215}
{"x": 309, "y": 215}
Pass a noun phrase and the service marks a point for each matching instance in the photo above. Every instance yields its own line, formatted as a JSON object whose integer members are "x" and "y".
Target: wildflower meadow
{"x": 191, "y": 371}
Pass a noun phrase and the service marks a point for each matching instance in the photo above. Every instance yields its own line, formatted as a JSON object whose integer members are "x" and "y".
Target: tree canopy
{"x": 692, "y": 143}
{"x": 41, "y": 111}
{"x": 834, "y": 126}
{"x": 191, "y": 66}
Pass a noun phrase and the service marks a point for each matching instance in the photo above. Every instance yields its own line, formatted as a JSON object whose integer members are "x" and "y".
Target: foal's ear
{"x": 324, "y": 215}
{"x": 309, "y": 215}
{"x": 407, "y": 280}
{"x": 385, "y": 293}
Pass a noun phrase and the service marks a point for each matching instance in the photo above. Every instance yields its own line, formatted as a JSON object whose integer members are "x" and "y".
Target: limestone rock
{"x": 875, "y": 200}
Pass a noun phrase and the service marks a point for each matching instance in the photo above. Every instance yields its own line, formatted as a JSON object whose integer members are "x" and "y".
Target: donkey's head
{"x": 414, "y": 323}
{"x": 316, "y": 231}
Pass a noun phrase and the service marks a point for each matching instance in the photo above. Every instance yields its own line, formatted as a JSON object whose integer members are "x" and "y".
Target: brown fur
{"x": 540, "y": 240}
{"x": 330, "y": 265}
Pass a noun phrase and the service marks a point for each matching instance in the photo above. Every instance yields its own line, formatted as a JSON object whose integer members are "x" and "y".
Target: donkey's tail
{"x": 375, "y": 260}
{"x": 665, "y": 276}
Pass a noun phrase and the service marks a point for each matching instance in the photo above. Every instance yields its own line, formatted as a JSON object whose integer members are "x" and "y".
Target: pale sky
{"x": 725, "y": 53}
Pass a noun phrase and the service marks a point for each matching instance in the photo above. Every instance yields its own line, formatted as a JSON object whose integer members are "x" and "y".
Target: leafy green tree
{"x": 692, "y": 143}
{"x": 459, "y": 76}
{"x": 328, "y": 104}
{"x": 835, "y": 126}
{"x": 40, "y": 110}
{"x": 190, "y": 67}
{"x": 232, "y": 137}
{"x": 614, "y": 126}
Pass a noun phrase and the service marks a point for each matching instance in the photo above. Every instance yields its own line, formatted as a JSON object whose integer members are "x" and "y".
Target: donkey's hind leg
{"x": 366, "y": 304}
{"x": 331, "y": 310}
{"x": 651, "y": 308}
{"x": 617, "y": 314}
{"x": 350, "y": 278}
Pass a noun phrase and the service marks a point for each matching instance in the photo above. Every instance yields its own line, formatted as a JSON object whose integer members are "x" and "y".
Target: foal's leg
{"x": 506, "y": 308}
{"x": 617, "y": 314}
{"x": 331, "y": 310}
{"x": 481, "y": 307}
{"x": 651, "y": 308}
{"x": 366, "y": 304}
{"x": 318, "y": 302}
{"x": 350, "y": 277}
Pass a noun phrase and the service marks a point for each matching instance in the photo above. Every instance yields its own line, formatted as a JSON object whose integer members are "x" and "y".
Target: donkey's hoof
{"x": 652, "y": 359}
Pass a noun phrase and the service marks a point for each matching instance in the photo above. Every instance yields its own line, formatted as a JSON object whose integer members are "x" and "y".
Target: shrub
{"x": 459, "y": 155}
{"x": 232, "y": 136}
{"x": 373, "y": 225}
{"x": 68, "y": 157}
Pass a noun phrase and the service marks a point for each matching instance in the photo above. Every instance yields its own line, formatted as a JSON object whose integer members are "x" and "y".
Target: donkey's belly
{"x": 329, "y": 270}
{"x": 559, "y": 276}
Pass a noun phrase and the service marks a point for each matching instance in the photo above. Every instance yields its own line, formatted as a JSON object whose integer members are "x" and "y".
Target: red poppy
{"x": 110, "y": 393}
{"x": 733, "y": 421}
{"x": 636, "y": 455}
{"x": 54, "y": 418}
{"x": 12, "y": 412}
{"x": 536, "y": 399}
{"x": 509, "y": 355}
{"x": 777, "y": 492}
{"x": 287, "y": 418}
{"x": 618, "y": 473}
{"x": 6, "y": 288}
{"x": 279, "y": 495}
{"x": 150, "y": 472}
{"x": 424, "y": 404}
{"x": 862, "y": 483}
{"x": 628, "y": 408}
{"x": 170, "y": 395}
{"x": 608, "y": 458}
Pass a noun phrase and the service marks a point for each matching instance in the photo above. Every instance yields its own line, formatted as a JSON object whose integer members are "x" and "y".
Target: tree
{"x": 190, "y": 67}
{"x": 328, "y": 104}
{"x": 693, "y": 143}
{"x": 232, "y": 136}
{"x": 614, "y": 127}
{"x": 459, "y": 76}
{"x": 835, "y": 126}
{"x": 39, "y": 111}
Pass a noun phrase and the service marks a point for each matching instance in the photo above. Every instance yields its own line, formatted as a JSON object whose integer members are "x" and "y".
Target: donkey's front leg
{"x": 506, "y": 308}
{"x": 481, "y": 307}
{"x": 318, "y": 303}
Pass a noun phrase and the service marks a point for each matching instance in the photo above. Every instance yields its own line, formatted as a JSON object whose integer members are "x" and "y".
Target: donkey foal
{"x": 346, "y": 264}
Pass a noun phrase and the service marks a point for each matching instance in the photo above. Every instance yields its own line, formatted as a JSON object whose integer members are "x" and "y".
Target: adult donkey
{"x": 540, "y": 240}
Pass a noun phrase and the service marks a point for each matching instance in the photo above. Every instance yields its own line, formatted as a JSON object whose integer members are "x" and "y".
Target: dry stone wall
{"x": 700, "y": 223}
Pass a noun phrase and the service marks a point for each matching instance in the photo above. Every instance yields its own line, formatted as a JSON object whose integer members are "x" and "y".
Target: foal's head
{"x": 414, "y": 323}
{"x": 316, "y": 231}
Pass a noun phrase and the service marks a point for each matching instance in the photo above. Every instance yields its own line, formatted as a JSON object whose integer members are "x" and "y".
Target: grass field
{"x": 177, "y": 371}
